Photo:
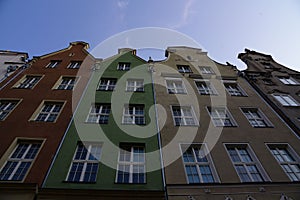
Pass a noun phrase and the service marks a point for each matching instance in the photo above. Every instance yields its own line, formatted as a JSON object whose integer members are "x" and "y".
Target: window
{"x": 206, "y": 70}
{"x": 123, "y": 66}
{"x": 17, "y": 165}
{"x": 66, "y": 83}
{"x": 107, "y": 84}
{"x": 245, "y": 163}
{"x": 49, "y": 112}
{"x": 74, "y": 64}
{"x": 234, "y": 89}
{"x": 205, "y": 88}
{"x": 184, "y": 69}
{"x": 183, "y": 116}
{"x": 135, "y": 85}
{"x": 6, "y": 106}
{"x": 285, "y": 100}
{"x": 85, "y": 164}
{"x": 131, "y": 165}
{"x": 256, "y": 118}
{"x": 53, "y": 63}
{"x": 198, "y": 164}
{"x": 133, "y": 114}
{"x": 288, "y": 81}
{"x": 288, "y": 161}
{"x": 175, "y": 86}
{"x": 221, "y": 116}
{"x": 29, "y": 82}
{"x": 99, "y": 113}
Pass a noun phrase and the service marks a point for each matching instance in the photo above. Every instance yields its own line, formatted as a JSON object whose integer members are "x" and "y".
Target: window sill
{"x": 79, "y": 182}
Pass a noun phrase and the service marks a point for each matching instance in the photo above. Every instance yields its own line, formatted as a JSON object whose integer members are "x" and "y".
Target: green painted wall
{"x": 111, "y": 134}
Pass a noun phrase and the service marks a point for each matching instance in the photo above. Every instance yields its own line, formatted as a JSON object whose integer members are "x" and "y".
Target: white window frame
{"x": 110, "y": 82}
{"x": 183, "y": 117}
{"x": 290, "y": 151}
{"x": 71, "y": 83}
{"x": 206, "y": 70}
{"x": 138, "y": 85}
{"x": 86, "y": 160}
{"x": 40, "y": 111}
{"x": 288, "y": 80}
{"x": 31, "y": 84}
{"x": 134, "y": 114}
{"x": 99, "y": 114}
{"x": 259, "y": 117}
{"x": 53, "y": 64}
{"x": 131, "y": 163}
{"x": 255, "y": 162}
{"x": 208, "y": 88}
{"x": 219, "y": 117}
{"x": 236, "y": 91}
{"x": 174, "y": 88}
{"x": 184, "y": 147}
{"x": 74, "y": 65}
{"x": 285, "y": 100}
{"x": 124, "y": 66}
{"x": 184, "y": 69}
{"x": 11, "y": 104}
{"x": 21, "y": 159}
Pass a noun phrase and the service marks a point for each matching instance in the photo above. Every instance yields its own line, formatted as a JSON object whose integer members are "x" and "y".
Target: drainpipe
{"x": 151, "y": 70}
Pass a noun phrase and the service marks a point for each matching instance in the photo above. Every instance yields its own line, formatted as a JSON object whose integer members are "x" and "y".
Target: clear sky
{"x": 224, "y": 28}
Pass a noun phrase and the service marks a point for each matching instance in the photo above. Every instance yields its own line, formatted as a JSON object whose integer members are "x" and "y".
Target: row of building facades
{"x": 73, "y": 126}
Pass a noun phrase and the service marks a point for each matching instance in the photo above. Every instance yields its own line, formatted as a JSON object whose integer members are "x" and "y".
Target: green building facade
{"x": 112, "y": 143}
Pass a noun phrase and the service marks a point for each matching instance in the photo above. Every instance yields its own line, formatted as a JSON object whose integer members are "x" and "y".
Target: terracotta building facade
{"x": 35, "y": 110}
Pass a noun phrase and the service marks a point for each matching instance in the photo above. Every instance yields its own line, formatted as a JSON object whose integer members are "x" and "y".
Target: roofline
{"x": 13, "y": 52}
{"x": 86, "y": 46}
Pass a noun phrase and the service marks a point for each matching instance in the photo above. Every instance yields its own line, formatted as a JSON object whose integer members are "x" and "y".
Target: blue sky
{"x": 223, "y": 28}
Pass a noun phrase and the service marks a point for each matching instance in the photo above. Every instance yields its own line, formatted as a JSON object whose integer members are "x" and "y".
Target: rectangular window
{"x": 234, "y": 89}
{"x": 133, "y": 114}
{"x": 205, "y": 88}
{"x": 198, "y": 164}
{"x": 175, "y": 86}
{"x": 99, "y": 113}
{"x": 245, "y": 163}
{"x": 184, "y": 69}
{"x": 17, "y": 165}
{"x": 85, "y": 164}
{"x": 74, "y": 65}
{"x": 288, "y": 161}
{"x": 221, "y": 116}
{"x": 256, "y": 118}
{"x": 49, "y": 112}
{"x": 135, "y": 85}
{"x": 6, "y": 107}
{"x": 288, "y": 81}
{"x": 123, "y": 66}
{"x": 107, "y": 84}
{"x": 206, "y": 70}
{"x": 184, "y": 116}
{"x": 29, "y": 82}
{"x": 286, "y": 100}
{"x": 53, "y": 63}
{"x": 66, "y": 83}
{"x": 131, "y": 165}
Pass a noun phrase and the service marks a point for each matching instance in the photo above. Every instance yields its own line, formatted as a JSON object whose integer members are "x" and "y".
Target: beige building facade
{"x": 220, "y": 140}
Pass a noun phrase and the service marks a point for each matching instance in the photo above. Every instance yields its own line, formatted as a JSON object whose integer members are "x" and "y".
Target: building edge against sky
{"x": 188, "y": 84}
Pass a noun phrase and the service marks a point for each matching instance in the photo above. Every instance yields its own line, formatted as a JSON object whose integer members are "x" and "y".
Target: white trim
{"x": 174, "y": 88}
{"x": 191, "y": 110}
{"x": 207, "y": 155}
{"x": 263, "y": 117}
{"x": 254, "y": 158}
